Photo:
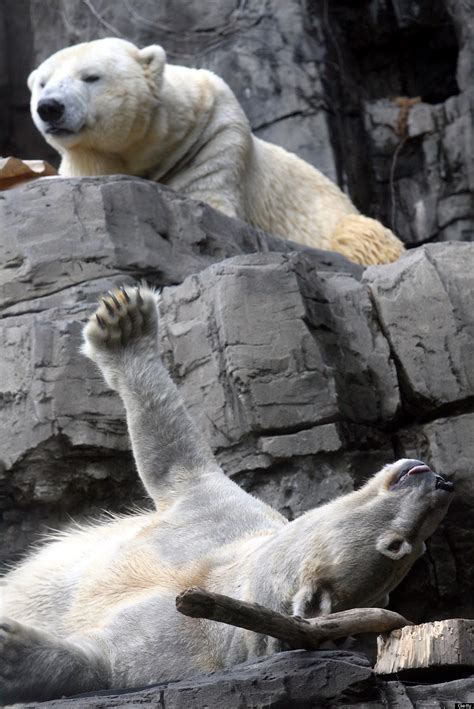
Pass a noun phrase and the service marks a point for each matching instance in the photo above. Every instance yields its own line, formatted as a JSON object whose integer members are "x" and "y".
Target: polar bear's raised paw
{"x": 124, "y": 317}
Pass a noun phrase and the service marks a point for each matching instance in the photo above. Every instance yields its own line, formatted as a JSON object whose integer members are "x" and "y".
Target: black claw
{"x": 100, "y": 322}
{"x": 125, "y": 294}
{"x": 117, "y": 302}
{"x": 139, "y": 297}
{"x": 108, "y": 306}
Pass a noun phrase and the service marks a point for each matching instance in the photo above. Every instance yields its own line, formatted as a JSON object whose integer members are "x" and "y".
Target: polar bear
{"x": 95, "y": 608}
{"x": 109, "y": 107}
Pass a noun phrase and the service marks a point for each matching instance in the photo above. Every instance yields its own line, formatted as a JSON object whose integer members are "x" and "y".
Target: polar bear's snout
{"x": 50, "y": 110}
{"x": 59, "y": 112}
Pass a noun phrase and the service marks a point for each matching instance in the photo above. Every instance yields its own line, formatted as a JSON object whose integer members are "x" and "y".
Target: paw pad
{"x": 123, "y": 317}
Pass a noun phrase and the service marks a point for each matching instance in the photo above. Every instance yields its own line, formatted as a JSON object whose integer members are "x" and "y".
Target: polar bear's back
{"x": 293, "y": 197}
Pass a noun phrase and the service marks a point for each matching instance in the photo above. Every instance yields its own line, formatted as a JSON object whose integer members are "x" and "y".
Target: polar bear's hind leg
{"x": 35, "y": 665}
{"x": 365, "y": 241}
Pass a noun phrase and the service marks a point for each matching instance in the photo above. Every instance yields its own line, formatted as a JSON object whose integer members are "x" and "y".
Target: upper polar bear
{"x": 109, "y": 107}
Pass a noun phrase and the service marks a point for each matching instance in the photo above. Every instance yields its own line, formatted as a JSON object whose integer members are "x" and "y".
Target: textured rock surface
{"x": 433, "y": 341}
{"x": 301, "y": 680}
{"x": 297, "y": 679}
{"x": 377, "y": 95}
{"x": 442, "y": 695}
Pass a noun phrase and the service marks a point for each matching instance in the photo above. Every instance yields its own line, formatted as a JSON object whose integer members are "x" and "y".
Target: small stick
{"x": 297, "y": 632}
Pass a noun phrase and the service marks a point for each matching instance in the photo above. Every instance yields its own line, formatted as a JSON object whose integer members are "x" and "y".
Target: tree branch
{"x": 297, "y": 632}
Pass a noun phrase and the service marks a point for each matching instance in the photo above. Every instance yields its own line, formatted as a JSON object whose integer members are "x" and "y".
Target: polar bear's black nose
{"x": 50, "y": 110}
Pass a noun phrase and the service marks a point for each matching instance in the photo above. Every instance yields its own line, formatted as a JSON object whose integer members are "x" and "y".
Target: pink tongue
{"x": 418, "y": 469}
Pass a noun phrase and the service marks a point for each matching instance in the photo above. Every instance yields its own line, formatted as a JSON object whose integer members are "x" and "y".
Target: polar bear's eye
{"x": 90, "y": 78}
{"x": 42, "y": 84}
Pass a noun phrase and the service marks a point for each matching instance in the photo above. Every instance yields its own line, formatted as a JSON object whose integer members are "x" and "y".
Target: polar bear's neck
{"x": 184, "y": 119}
{"x": 80, "y": 163}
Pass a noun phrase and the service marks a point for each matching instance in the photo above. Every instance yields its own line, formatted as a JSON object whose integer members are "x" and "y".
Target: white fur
{"x": 95, "y": 607}
{"x": 185, "y": 128}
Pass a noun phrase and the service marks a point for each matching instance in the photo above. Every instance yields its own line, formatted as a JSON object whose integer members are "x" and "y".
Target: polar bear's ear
{"x": 153, "y": 57}
{"x": 31, "y": 80}
{"x": 393, "y": 545}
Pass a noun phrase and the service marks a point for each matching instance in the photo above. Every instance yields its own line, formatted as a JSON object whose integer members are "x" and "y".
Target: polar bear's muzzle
{"x": 50, "y": 110}
{"x": 415, "y": 473}
{"x": 51, "y": 113}
{"x": 60, "y": 114}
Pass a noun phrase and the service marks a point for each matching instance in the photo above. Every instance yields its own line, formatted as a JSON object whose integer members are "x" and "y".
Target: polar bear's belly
{"x": 41, "y": 590}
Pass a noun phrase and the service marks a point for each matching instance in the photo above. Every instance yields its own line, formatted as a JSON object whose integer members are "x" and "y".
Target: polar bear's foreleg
{"x": 121, "y": 337}
{"x": 35, "y": 665}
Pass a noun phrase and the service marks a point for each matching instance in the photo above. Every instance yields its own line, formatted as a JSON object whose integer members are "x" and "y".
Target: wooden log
{"x": 443, "y": 643}
{"x": 298, "y": 633}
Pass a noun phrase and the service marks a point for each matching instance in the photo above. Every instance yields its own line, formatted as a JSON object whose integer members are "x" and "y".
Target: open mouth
{"x": 59, "y": 132}
{"x": 414, "y": 468}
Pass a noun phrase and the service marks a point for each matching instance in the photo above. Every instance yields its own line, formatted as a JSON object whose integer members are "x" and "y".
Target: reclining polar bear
{"x": 95, "y": 608}
{"x": 108, "y": 107}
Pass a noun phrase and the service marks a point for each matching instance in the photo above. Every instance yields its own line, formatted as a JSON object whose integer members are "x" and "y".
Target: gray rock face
{"x": 298, "y": 679}
{"x": 60, "y": 232}
{"x": 433, "y": 340}
{"x": 379, "y": 98}
{"x": 242, "y": 339}
{"x": 433, "y": 201}
{"x": 442, "y": 695}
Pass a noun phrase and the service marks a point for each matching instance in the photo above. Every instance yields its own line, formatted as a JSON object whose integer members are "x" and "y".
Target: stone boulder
{"x": 298, "y": 679}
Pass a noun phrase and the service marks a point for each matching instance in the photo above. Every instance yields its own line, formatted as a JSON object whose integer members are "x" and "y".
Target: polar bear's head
{"x": 97, "y": 95}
